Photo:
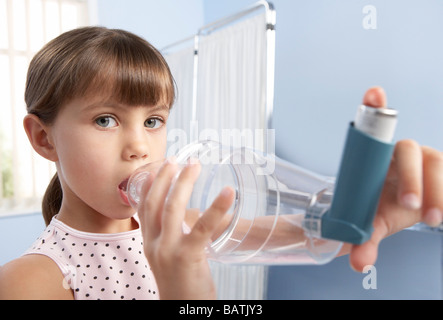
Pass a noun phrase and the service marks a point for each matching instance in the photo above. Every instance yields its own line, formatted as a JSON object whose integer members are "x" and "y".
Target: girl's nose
{"x": 136, "y": 148}
{"x": 138, "y": 155}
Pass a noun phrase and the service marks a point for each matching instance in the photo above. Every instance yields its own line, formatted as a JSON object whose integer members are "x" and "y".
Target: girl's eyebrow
{"x": 160, "y": 108}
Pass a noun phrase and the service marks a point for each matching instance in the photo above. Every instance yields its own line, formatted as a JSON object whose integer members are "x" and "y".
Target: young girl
{"x": 98, "y": 102}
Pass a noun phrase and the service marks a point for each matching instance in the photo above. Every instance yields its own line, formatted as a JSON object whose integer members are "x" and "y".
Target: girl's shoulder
{"x": 32, "y": 277}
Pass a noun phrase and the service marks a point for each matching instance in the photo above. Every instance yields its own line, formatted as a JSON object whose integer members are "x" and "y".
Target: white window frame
{"x": 27, "y": 172}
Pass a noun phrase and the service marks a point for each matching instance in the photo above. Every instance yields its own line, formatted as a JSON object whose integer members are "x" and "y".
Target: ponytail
{"x": 52, "y": 200}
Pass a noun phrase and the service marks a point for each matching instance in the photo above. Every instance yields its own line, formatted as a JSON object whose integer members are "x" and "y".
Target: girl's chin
{"x": 125, "y": 213}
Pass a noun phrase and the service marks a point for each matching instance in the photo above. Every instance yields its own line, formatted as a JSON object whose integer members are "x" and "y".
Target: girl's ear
{"x": 39, "y": 136}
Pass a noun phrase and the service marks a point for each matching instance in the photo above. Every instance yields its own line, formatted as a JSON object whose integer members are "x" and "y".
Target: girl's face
{"x": 99, "y": 143}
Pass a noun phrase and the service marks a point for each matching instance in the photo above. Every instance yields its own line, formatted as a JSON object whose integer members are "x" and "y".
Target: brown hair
{"x": 93, "y": 60}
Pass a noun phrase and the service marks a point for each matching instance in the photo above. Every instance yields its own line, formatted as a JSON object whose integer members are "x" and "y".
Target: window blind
{"x": 25, "y": 26}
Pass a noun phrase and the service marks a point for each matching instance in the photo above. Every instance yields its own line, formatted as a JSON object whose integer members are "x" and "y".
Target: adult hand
{"x": 413, "y": 191}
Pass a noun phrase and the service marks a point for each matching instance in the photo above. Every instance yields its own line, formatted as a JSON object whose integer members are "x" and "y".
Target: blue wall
{"x": 17, "y": 233}
{"x": 408, "y": 267}
{"x": 159, "y": 22}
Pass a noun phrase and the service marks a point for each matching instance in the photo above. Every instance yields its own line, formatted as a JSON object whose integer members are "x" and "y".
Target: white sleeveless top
{"x": 96, "y": 265}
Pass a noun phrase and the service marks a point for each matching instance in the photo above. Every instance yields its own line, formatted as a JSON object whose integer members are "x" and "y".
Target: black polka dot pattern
{"x": 98, "y": 266}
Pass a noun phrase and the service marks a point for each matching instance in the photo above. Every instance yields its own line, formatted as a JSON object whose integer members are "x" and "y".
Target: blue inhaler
{"x": 284, "y": 214}
{"x": 365, "y": 162}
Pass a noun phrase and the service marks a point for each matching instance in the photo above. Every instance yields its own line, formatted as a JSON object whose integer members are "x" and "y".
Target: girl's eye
{"x": 106, "y": 122}
{"x": 153, "y": 123}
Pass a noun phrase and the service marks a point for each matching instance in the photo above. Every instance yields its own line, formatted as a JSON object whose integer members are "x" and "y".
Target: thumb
{"x": 375, "y": 97}
{"x": 366, "y": 253}
{"x": 363, "y": 255}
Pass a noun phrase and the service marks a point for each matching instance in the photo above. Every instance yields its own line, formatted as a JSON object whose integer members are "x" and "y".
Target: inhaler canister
{"x": 379, "y": 123}
{"x": 365, "y": 161}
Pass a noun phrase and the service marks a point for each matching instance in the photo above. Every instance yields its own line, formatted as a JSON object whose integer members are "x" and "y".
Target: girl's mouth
{"x": 123, "y": 186}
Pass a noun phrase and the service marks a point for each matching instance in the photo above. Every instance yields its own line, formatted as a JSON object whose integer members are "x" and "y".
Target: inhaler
{"x": 283, "y": 214}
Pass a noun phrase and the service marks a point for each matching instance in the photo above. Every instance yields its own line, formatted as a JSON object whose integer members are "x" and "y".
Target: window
{"x": 25, "y": 26}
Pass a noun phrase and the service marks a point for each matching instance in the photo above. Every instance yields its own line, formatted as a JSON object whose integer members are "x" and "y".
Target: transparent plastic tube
{"x": 282, "y": 213}
{"x": 265, "y": 223}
